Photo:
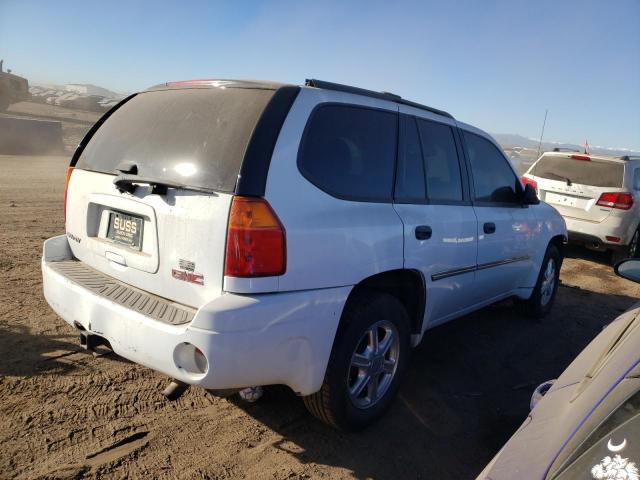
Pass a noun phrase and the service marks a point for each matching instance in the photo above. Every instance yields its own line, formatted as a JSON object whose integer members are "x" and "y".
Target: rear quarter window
{"x": 349, "y": 152}
{"x": 582, "y": 172}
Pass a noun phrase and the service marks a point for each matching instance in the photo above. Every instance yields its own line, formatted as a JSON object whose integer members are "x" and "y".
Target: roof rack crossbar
{"x": 312, "y": 82}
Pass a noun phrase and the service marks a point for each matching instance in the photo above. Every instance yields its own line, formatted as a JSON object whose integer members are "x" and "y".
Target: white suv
{"x": 597, "y": 196}
{"x": 233, "y": 234}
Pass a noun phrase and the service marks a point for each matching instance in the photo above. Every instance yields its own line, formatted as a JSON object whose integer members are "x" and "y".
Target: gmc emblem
{"x": 187, "y": 276}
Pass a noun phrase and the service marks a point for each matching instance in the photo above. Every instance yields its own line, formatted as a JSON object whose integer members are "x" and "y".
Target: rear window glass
{"x": 582, "y": 172}
{"x": 349, "y": 152}
{"x": 195, "y": 137}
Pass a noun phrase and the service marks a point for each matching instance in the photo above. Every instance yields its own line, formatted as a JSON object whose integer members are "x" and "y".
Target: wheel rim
{"x": 374, "y": 363}
{"x": 548, "y": 282}
{"x": 633, "y": 246}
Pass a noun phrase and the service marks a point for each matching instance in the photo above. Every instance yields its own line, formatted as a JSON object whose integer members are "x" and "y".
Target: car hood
{"x": 593, "y": 374}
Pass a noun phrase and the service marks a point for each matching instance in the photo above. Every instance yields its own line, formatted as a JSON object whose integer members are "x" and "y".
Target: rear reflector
{"x": 612, "y": 239}
{"x": 619, "y": 200}
{"x": 66, "y": 188}
{"x": 581, "y": 157}
{"x": 529, "y": 181}
{"x": 255, "y": 240}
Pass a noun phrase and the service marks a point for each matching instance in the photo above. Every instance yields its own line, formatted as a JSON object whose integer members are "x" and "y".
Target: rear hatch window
{"x": 193, "y": 137}
{"x": 582, "y": 172}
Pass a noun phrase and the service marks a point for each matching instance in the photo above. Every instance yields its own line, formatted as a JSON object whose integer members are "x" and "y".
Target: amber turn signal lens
{"x": 256, "y": 244}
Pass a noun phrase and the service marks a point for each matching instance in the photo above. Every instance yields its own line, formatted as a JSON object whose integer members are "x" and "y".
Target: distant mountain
{"x": 89, "y": 89}
{"x": 508, "y": 140}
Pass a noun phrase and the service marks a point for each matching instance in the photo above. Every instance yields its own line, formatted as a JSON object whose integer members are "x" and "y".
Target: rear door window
{"x": 444, "y": 179}
{"x": 410, "y": 177}
{"x": 195, "y": 137}
{"x": 350, "y": 151}
{"x": 493, "y": 179}
{"x": 583, "y": 172}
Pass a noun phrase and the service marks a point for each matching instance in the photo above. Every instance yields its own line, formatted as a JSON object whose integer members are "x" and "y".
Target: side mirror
{"x": 629, "y": 269}
{"x": 529, "y": 196}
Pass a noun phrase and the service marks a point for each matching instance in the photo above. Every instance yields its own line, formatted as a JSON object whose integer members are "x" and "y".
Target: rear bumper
{"x": 280, "y": 338}
{"x": 595, "y": 234}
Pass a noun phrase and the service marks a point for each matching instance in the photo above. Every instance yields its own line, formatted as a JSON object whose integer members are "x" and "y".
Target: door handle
{"x": 423, "y": 232}
{"x": 489, "y": 228}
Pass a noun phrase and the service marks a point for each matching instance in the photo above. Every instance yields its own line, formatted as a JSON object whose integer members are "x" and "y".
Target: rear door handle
{"x": 489, "y": 228}
{"x": 423, "y": 232}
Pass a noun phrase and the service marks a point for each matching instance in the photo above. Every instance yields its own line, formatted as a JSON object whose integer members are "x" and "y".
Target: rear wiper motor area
{"x": 128, "y": 183}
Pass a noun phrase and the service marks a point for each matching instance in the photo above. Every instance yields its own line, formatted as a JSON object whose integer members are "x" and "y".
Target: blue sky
{"x": 495, "y": 64}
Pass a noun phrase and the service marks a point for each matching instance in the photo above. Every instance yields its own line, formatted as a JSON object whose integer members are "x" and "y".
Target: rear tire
{"x": 368, "y": 359}
{"x": 630, "y": 251}
{"x": 544, "y": 293}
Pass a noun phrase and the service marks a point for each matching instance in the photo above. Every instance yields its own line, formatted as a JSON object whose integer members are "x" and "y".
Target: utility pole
{"x": 542, "y": 133}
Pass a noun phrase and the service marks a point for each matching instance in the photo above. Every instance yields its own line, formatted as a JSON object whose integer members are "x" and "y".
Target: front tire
{"x": 544, "y": 293}
{"x": 367, "y": 362}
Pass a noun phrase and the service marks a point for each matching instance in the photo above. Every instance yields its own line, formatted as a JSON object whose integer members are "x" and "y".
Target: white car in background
{"x": 598, "y": 196}
{"x": 233, "y": 234}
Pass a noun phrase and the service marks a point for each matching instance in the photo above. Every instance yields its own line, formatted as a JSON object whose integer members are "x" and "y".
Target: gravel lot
{"x": 67, "y": 414}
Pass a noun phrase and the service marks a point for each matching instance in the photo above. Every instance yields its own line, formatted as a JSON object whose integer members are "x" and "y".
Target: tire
{"x": 629, "y": 251}
{"x": 337, "y": 402}
{"x": 544, "y": 293}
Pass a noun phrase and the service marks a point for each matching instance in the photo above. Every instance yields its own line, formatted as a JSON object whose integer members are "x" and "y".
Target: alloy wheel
{"x": 374, "y": 363}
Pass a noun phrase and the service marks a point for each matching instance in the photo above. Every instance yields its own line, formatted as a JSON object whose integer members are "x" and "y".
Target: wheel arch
{"x": 407, "y": 285}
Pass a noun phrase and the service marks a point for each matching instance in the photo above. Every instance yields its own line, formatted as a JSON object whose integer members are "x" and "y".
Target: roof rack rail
{"x": 312, "y": 82}
{"x": 565, "y": 149}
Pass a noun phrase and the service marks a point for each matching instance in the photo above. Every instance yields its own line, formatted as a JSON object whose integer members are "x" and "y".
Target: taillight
{"x": 529, "y": 181}
{"x": 622, "y": 201}
{"x": 66, "y": 188}
{"x": 586, "y": 158}
{"x": 255, "y": 240}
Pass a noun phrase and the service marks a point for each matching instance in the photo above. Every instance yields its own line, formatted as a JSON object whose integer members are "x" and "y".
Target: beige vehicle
{"x": 13, "y": 88}
{"x": 585, "y": 424}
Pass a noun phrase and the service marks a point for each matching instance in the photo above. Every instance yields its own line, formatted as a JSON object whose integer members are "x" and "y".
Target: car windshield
{"x": 583, "y": 172}
{"x": 194, "y": 137}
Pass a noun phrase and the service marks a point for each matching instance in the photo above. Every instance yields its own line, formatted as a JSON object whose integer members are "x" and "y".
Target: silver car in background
{"x": 598, "y": 196}
{"x": 585, "y": 424}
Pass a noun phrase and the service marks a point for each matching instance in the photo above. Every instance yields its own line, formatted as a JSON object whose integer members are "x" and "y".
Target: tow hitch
{"x": 90, "y": 342}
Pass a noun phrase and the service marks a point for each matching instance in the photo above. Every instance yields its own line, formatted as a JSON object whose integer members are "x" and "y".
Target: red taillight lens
{"x": 581, "y": 157}
{"x": 528, "y": 181}
{"x": 255, "y": 240}
{"x": 622, "y": 201}
{"x": 66, "y": 188}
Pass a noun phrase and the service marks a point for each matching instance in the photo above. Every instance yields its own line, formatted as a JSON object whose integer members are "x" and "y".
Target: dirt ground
{"x": 67, "y": 414}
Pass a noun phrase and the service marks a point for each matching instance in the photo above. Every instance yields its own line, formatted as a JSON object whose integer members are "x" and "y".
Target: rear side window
{"x": 444, "y": 180}
{"x": 195, "y": 137}
{"x": 493, "y": 179}
{"x": 410, "y": 177}
{"x": 349, "y": 152}
{"x": 582, "y": 172}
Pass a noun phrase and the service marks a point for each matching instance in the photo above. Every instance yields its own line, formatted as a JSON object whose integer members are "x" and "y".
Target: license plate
{"x": 125, "y": 230}
{"x": 565, "y": 200}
